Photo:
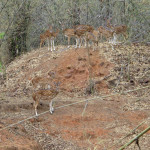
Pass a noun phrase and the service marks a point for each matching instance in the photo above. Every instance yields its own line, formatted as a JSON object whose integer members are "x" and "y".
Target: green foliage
{"x": 15, "y": 41}
{"x": 2, "y": 35}
{"x": 0, "y": 67}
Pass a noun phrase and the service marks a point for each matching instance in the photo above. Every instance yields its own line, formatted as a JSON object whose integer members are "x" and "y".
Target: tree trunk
{"x": 108, "y": 8}
{"x": 18, "y": 34}
{"x": 76, "y": 12}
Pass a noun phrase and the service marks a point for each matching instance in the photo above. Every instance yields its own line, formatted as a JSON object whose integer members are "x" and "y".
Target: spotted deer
{"x": 80, "y": 32}
{"x": 69, "y": 33}
{"x": 93, "y": 37}
{"x": 43, "y": 88}
{"x": 107, "y": 33}
{"x": 49, "y": 35}
{"x": 118, "y": 29}
{"x": 50, "y": 94}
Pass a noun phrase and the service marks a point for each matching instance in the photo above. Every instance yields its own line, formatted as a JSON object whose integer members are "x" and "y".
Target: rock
{"x": 102, "y": 64}
{"x": 81, "y": 59}
{"x": 112, "y": 82}
{"x": 68, "y": 76}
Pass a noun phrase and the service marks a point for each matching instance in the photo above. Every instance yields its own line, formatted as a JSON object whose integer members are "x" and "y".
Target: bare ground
{"x": 105, "y": 120}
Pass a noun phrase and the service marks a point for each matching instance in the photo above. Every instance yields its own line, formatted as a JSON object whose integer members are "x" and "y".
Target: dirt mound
{"x": 105, "y": 120}
{"x": 71, "y": 67}
{"x": 131, "y": 69}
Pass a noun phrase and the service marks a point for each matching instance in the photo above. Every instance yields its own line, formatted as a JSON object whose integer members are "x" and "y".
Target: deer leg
{"x": 109, "y": 40}
{"x": 76, "y": 43}
{"x": 125, "y": 36}
{"x": 68, "y": 41}
{"x": 53, "y": 45}
{"x": 112, "y": 47}
{"x": 41, "y": 43}
{"x": 51, "y": 109}
{"x": 80, "y": 42}
{"x": 93, "y": 44}
{"x": 85, "y": 42}
{"x": 35, "y": 106}
{"x": 101, "y": 37}
{"x": 114, "y": 39}
{"x": 97, "y": 43}
{"x": 48, "y": 44}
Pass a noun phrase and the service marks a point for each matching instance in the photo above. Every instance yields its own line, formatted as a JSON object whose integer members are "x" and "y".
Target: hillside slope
{"x": 71, "y": 67}
{"x": 104, "y": 121}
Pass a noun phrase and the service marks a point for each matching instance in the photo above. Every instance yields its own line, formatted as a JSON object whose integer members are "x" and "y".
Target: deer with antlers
{"x": 119, "y": 29}
{"x": 49, "y": 35}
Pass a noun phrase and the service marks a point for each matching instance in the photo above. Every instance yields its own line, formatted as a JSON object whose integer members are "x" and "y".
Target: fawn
{"x": 50, "y": 93}
{"x": 43, "y": 89}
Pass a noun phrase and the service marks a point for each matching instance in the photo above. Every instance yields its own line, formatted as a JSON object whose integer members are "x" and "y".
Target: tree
{"x": 76, "y": 12}
{"x": 16, "y": 33}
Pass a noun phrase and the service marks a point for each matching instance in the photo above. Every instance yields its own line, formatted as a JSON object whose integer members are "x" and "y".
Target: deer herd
{"x": 81, "y": 33}
{"x": 86, "y": 33}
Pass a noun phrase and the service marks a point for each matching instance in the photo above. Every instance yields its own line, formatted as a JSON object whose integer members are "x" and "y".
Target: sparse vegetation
{"x": 103, "y": 88}
{"x": 2, "y": 35}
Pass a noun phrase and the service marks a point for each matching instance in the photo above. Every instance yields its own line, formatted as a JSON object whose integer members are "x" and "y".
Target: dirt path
{"x": 103, "y": 124}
